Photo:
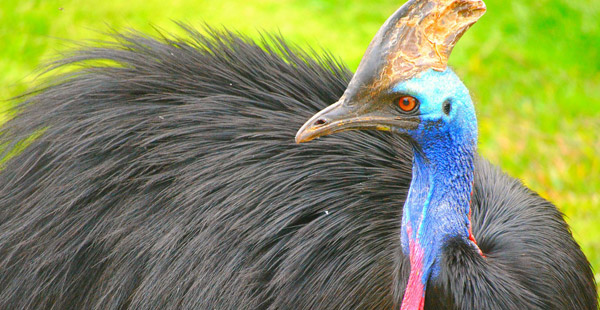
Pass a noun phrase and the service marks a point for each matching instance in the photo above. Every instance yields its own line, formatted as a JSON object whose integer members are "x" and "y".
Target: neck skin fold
{"x": 437, "y": 208}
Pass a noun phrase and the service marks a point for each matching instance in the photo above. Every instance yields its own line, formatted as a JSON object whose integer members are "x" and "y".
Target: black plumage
{"x": 165, "y": 176}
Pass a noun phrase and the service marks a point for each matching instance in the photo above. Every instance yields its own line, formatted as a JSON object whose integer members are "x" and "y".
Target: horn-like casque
{"x": 417, "y": 37}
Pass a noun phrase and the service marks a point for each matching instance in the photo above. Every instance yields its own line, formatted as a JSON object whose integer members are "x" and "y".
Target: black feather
{"x": 168, "y": 178}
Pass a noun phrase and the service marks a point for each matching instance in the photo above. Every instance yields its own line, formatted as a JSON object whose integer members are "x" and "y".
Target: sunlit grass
{"x": 532, "y": 67}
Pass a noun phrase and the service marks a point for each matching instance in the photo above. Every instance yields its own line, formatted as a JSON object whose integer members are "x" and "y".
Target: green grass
{"x": 533, "y": 68}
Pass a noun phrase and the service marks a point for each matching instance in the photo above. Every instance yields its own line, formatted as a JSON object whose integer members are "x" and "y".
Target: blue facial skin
{"x": 438, "y": 202}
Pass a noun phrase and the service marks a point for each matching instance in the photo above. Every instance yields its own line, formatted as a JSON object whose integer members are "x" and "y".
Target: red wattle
{"x": 471, "y": 237}
{"x": 414, "y": 295}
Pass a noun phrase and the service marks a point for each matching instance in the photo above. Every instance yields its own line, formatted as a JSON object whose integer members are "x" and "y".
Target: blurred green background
{"x": 533, "y": 68}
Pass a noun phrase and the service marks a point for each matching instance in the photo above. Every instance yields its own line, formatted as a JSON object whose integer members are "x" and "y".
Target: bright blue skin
{"x": 438, "y": 202}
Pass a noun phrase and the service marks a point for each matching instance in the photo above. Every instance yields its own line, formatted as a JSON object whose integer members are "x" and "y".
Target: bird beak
{"x": 339, "y": 117}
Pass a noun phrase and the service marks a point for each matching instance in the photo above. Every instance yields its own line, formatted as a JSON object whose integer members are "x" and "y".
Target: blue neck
{"x": 438, "y": 204}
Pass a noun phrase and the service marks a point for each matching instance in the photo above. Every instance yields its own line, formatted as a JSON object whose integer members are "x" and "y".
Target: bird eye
{"x": 407, "y": 103}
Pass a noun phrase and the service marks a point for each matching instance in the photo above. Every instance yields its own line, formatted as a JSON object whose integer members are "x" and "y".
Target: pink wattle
{"x": 414, "y": 295}
{"x": 471, "y": 237}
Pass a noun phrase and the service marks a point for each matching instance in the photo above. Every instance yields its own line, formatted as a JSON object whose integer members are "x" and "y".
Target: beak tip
{"x": 300, "y": 137}
{"x": 304, "y": 134}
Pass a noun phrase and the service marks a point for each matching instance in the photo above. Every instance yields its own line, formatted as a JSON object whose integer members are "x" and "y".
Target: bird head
{"x": 402, "y": 83}
{"x": 423, "y": 108}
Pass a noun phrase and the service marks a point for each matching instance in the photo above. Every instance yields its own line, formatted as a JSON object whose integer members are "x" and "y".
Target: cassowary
{"x": 163, "y": 174}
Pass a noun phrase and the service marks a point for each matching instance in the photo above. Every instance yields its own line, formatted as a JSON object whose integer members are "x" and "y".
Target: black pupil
{"x": 405, "y": 102}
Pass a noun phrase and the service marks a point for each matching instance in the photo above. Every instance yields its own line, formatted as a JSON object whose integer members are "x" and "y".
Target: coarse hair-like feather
{"x": 165, "y": 175}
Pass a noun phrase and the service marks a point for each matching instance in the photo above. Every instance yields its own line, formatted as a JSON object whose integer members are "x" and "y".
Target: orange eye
{"x": 407, "y": 103}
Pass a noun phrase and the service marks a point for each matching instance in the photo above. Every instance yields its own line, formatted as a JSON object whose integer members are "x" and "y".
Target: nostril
{"x": 320, "y": 121}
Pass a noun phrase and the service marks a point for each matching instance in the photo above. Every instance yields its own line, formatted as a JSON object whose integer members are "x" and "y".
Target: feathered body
{"x": 169, "y": 179}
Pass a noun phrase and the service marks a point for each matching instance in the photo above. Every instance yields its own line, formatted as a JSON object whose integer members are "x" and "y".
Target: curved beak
{"x": 336, "y": 118}
{"x": 341, "y": 117}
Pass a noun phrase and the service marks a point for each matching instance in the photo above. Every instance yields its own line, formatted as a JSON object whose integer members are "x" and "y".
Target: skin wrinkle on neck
{"x": 441, "y": 206}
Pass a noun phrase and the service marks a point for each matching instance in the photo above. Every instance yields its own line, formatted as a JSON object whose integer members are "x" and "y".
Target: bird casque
{"x": 168, "y": 178}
